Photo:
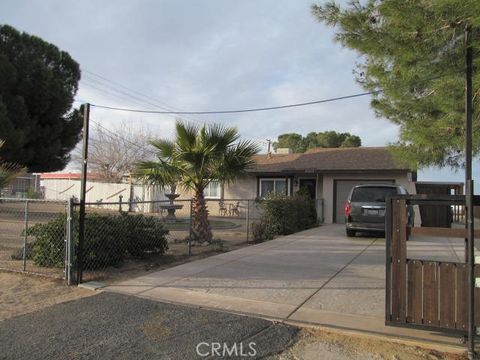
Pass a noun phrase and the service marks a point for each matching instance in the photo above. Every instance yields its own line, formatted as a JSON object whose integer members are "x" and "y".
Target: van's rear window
{"x": 372, "y": 194}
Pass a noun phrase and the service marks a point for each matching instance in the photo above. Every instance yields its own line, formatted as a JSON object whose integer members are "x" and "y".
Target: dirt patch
{"x": 21, "y": 294}
{"x": 326, "y": 345}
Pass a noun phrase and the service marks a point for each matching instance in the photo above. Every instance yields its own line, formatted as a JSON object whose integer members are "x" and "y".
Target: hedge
{"x": 284, "y": 215}
{"x": 109, "y": 239}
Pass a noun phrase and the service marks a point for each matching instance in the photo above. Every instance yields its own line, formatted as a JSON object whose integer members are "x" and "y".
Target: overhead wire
{"x": 257, "y": 109}
{"x": 115, "y": 135}
{"x": 221, "y": 111}
{"x": 99, "y": 79}
{"x": 238, "y": 110}
{"x": 110, "y": 93}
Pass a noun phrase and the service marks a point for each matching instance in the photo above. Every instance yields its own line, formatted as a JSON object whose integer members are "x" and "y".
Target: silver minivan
{"x": 365, "y": 207}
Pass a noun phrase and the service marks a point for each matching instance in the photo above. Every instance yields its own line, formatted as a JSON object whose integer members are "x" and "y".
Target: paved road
{"x": 318, "y": 276}
{"x": 115, "y": 326}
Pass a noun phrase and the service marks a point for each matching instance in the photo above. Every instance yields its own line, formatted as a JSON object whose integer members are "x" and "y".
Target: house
{"x": 328, "y": 175}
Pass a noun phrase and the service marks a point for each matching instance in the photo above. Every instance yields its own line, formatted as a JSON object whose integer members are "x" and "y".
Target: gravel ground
{"x": 114, "y": 326}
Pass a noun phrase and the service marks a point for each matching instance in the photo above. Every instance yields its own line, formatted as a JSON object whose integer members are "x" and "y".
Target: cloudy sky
{"x": 208, "y": 55}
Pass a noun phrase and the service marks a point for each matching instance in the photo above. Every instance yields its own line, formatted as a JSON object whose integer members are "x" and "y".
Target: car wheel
{"x": 351, "y": 233}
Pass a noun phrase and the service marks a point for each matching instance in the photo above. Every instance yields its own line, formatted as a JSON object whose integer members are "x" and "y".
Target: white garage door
{"x": 342, "y": 189}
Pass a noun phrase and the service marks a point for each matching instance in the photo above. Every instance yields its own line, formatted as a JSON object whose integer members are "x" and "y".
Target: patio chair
{"x": 233, "y": 209}
{"x": 222, "y": 209}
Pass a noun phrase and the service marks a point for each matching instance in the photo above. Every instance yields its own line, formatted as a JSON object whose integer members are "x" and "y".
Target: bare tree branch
{"x": 112, "y": 154}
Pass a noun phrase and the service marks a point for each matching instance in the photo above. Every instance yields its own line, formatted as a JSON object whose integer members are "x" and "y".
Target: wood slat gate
{"x": 424, "y": 293}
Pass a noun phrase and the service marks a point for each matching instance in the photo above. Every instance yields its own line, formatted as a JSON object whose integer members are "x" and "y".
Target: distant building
{"x": 27, "y": 184}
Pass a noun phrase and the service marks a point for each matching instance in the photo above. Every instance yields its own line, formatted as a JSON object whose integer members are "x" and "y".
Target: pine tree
{"x": 37, "y": 86}
{"x": 412, "y": 56}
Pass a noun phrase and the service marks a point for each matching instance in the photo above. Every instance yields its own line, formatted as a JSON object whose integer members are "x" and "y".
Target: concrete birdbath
{"x": 171, "y": 207}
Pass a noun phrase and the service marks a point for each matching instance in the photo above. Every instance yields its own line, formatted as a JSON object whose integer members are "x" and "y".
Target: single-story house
{"x": 328, "y": 174}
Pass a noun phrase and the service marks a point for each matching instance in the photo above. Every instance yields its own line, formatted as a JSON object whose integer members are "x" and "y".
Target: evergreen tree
{"x": 37, "y": 86}
{"x": 412, "y": 55}
{"x": 325, "y": 139}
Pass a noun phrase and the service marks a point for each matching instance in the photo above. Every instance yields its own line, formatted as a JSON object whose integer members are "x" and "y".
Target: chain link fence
{"x": 43, "y": 236}
{"x": 25, "y": 226}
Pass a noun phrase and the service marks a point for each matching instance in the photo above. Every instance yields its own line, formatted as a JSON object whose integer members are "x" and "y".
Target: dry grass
{"x": 323, "y": 344}
{"x": 21, "y": 294}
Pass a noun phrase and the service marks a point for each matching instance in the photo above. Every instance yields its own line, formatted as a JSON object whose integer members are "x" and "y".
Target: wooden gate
{"x": 422, "y": 293}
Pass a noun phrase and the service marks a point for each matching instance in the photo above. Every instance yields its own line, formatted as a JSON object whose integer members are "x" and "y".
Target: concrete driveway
{"x": 318, "y": 276}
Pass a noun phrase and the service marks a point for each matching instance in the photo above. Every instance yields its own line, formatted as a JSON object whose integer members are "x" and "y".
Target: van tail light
{"x": 347, "y": 209}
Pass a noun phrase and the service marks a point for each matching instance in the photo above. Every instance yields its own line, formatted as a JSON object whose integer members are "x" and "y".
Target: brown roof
{"x": 324, "y": 160}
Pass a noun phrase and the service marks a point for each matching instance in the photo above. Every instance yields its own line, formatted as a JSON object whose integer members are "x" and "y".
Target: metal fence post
{"x": 25, "y": 239}
{"x": 190, "y": 230}
{"x": 120, "y": 199}
{"x": 69, "y": 245}
{"x": 248, "y": 220}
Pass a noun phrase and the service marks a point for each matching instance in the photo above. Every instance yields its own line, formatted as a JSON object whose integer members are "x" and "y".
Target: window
{"x": 212, "y": 191}
{"x": 277, "y": 186}
{"x": 372, "y": 194}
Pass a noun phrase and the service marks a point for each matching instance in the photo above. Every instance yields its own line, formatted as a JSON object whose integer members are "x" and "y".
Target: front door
{"x": 310, "y": 185}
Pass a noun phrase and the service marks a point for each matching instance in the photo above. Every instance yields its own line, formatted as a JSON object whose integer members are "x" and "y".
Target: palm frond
{"x": 221, "y": 137}
{"x": 186, "y": 135}
{"x": 236, "y": 161}
{"x": 157, "y": 173}
{"x": 165, "y": 149}
{"x": 8, "y": 171}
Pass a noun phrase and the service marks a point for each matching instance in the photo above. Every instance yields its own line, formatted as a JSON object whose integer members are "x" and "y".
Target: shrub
{"x": 49, "y": 245}
{"x": 143, "y": 235}
{"x": 262, "y": 231}
{"x": 283, "y": 215}
{"x": 108, "y": 239}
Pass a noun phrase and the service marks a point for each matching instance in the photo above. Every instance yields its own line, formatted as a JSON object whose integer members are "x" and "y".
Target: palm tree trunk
{"x": 201, "y": 226}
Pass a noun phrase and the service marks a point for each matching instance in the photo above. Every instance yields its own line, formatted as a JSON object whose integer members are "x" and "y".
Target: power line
{"x": 112, "y": 84}
{"x": 240, "y": 110}
{"x": 176, "y": 112}
{"x": 86, "y": 82}
{"x": 111, "y": 133}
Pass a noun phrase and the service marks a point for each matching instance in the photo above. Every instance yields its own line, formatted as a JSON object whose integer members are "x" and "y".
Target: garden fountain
{"x": 171, "y": 207}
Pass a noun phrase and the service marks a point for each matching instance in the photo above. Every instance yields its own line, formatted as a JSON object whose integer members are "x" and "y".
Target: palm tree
{"x": 198, "y": 156}
{"x": 8, "y": 171}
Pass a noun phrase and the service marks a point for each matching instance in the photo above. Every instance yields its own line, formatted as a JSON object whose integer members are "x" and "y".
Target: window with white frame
{"x": 277, "y": 186}
{"x": 212, "y": 191}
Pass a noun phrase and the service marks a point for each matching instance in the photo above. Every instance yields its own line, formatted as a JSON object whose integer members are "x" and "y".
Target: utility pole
{"x": 469, "y": 193}
{"x": 83, "y": 191}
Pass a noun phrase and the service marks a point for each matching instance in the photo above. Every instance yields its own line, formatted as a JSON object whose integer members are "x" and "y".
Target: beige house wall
{"x": 243, "y": 188}
{"x": 246, "y": 188}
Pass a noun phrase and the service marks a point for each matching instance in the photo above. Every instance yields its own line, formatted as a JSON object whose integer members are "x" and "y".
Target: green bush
{"x": 143, "y": 235}
{"x": 262, "y": 231}
{"x": 283, "y": 215}
{"x": 48, "y": 248}
{"x": 108, "y": 239}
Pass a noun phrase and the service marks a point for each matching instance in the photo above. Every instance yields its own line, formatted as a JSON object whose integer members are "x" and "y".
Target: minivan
{"x": 365, "y": 208}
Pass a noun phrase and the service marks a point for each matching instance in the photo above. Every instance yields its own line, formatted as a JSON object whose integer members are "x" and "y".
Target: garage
{"x": 341, "y": 190}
